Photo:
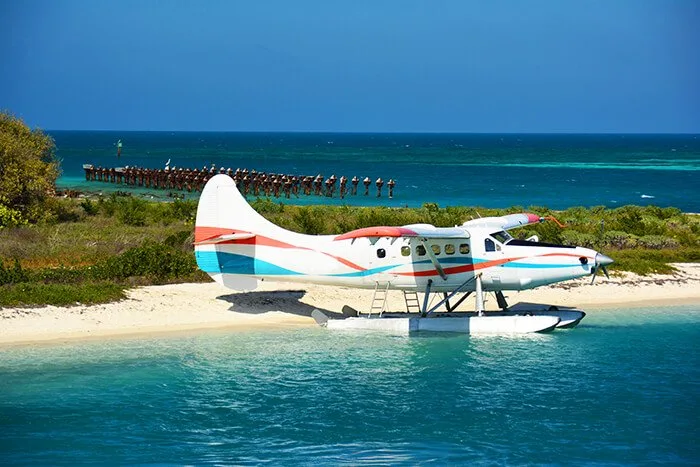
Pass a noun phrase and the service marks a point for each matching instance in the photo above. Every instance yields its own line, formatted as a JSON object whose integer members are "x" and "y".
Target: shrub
{"x": 132, "y": 211}
{"x": 110, "y": 205}
{"x": 574, "y": 238}
{"x": 618, "y": 239}
{"x": 181, "y": 240}
{"x": 267, "y": 206}
{"x": 25, "y": 294}
{"x": 28, "y": 170}
{"x": 156, "y": 261}
{"x": 61, "y": 211}
{"x": 10, "y": 217}
{"x": 60, "y": 275}
{"x": 629, "y": 219}
{"x": 310, "y": 220}
{"x": 12, "y": 275}
{"x": 184, "y": 210}
{"x": 90, "y": 207}
{"x": 552, "y": 233}
{"x": 658, "y": 242}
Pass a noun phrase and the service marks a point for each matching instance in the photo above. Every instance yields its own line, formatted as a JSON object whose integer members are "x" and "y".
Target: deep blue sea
{"x": 489, "y": 170}
{"x": 623, "y": 388}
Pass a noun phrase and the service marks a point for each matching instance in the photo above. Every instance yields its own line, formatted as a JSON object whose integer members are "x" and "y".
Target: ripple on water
{"x": 621, "y": 388}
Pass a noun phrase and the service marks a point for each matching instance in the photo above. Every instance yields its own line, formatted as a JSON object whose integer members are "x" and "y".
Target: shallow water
{"x": 622, "y": 388}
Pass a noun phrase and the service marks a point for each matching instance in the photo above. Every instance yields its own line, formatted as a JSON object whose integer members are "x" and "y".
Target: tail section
{"x": 223, "y": 211}
{"x": 224, "y": 216}
{"x": 236, "y": 246}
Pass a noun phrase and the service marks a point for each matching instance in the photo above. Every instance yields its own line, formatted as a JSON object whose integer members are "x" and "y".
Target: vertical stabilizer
{"x": 224, "y": 214}
{"x": 223, "y": 210}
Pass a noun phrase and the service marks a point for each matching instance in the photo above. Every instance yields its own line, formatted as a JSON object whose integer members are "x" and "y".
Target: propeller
{"x": 601, "y": 260}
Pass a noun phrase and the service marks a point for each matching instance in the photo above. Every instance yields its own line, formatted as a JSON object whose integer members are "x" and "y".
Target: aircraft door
{"x": 492, "y": 272}
{"x": 382, "y": 255}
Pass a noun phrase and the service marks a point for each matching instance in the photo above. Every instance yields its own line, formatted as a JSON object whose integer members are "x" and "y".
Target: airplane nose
{"x": 602, "y": 259}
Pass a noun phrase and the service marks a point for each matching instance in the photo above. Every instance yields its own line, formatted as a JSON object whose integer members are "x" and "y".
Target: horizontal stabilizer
{"x": 225, "y": 238}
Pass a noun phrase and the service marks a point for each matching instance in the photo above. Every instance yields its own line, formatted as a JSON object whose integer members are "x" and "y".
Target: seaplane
{"x": 238, "y": 247}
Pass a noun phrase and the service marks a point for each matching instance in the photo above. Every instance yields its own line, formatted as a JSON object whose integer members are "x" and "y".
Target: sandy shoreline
{"x": 189, "y": 307}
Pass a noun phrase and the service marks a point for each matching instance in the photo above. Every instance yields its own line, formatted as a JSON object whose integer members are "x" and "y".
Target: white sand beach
{"x": 188, "y": 307}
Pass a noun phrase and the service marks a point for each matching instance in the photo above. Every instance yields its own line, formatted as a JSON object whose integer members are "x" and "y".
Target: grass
{"x": 36, "y": 294}
{"x": 90, "y": 251}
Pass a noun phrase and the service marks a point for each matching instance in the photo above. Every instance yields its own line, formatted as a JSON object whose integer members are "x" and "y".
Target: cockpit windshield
{"x": 502, "y": 236}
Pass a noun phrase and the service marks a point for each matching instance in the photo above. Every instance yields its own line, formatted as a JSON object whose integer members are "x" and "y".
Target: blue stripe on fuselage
{"x": 231, "y": 263}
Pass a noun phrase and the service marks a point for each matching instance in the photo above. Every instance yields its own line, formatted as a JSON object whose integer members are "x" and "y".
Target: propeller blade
{"x": 605, "y": 271}
{"x": 595, "y": 273}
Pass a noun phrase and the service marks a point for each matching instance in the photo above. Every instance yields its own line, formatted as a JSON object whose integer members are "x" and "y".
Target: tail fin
{"x": 222, "y": 210}
{"x": 223, "y": 214}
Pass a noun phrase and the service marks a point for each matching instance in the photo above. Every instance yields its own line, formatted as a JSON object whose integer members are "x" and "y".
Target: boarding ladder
{"x": 379, "y": 299}
{"x": 412, "y": 303}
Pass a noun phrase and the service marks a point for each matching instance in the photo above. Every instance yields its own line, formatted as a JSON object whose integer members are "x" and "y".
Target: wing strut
{"x": 426, "y": 296}
{"x": 479, "y": 298}
{"x": 452, "y": 294}
{"x": 462, "y": 298}
{"x": 434, "y": 259}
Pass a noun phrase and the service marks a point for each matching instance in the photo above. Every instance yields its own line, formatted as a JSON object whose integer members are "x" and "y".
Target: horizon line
{"x": 384, "y": 132}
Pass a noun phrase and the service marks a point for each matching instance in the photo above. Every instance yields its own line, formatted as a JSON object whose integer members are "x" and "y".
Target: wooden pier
{"x": 248, "y": 182}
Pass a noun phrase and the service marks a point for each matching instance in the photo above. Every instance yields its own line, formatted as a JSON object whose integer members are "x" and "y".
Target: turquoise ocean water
{"x": 621, "y": 389}
{"x": 488, "y": 170}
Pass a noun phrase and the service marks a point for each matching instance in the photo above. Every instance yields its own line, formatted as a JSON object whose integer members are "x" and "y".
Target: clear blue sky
{"x": 353, "y": 65}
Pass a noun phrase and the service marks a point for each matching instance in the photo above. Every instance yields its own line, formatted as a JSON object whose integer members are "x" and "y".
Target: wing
{"x": 413, "y": 230}
{"x": 507, "y": 222}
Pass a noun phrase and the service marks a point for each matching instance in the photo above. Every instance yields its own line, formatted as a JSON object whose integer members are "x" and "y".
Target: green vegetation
{"x": 63, "y": 251}
{"x": 31, "y": 294}
{"x": 28, "y": 172}
{"x": 91, "y": 250}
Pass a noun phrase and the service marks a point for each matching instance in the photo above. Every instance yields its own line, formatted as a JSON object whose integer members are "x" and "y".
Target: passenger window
{"x": 489, "y": 245}
{"x": 420, "y": 249}
{"x": 405, "y": 250}
{"x": 435, "y": 248}
{"x": 381, "y": 253}
{"x": 449, "y": 249}
{"x": 464, "y": 249}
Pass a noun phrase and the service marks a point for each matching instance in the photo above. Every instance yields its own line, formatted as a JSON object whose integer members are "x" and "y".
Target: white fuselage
{"x": 402, "y": 262}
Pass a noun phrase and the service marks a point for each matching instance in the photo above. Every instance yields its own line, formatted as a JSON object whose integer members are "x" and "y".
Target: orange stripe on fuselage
{"x": 206, "y": 233}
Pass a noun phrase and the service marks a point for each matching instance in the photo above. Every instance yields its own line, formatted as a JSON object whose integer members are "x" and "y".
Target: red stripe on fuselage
{"x": 206, "y": 233}
{"x": 459, "y": 269}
